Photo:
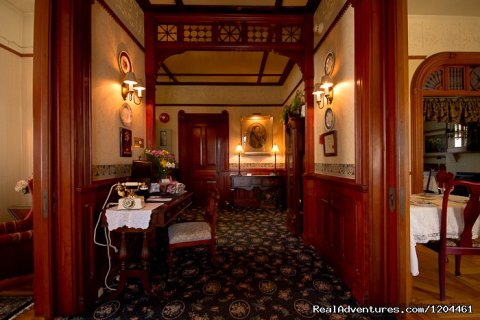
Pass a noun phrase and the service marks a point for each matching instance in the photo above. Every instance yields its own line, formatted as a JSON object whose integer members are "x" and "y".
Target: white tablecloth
{"x": 425, "y": 214}
{"x": 135, "y": 218}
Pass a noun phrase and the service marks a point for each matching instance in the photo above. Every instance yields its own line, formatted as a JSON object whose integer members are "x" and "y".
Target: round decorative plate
{"x": 126, "y": 116}
{"x": 124, "y": 62}
{"x": 164, "y": 117}
{"x": 329, "y": 119}
{"x": 329, "y": 63}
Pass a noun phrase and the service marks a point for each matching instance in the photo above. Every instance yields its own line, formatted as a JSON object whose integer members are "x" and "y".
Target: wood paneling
{"x": 334, "y": 223}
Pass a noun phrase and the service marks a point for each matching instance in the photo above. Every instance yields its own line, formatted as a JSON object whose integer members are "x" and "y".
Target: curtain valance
{"x": 462, "y": 110}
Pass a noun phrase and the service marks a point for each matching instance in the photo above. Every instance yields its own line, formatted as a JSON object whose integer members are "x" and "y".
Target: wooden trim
{"x": 417, "y": 57}
{"x": 168, "y": 72}
{"x": 219, "y": 84}
{"x": 120, "y": 23}
{"x": 42, "y": 100}
{"x": 15, "y": 52}
{"x": 215, "y": 105}
{"x": 262, "y": 67}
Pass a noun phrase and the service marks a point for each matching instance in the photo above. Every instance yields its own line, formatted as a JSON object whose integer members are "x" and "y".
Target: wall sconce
{"x": 239, "y": 151}
{"x": 275, "y": 149}
{"x": 132, "y": 88}
{"x": 323, "y": 91}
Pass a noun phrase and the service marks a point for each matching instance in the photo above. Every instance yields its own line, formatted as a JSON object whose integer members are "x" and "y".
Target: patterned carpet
{"x": 263, "y": 273}
{"x": 13, "y": 305}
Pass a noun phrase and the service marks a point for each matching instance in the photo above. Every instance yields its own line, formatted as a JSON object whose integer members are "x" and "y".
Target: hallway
{"x": 263, "y": 273}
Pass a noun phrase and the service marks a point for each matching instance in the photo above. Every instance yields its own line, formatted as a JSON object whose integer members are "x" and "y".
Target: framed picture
{"x": 125, "y": 142}
{"x": 257, "y": 134}
{"x": 435, "y": 142}
{"x": 330, "y": 143}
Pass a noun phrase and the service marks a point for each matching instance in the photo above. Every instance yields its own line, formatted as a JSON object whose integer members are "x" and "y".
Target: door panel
{"x": 203, "y": 152}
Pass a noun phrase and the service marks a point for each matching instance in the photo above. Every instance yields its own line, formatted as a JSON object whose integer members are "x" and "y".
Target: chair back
{"x": 142, "y": 169}
{"x": 211, "y": 210}
{"x": 470, "y": 213}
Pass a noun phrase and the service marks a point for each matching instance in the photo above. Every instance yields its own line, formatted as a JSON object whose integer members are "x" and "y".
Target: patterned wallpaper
{"x": 131, "y": 15}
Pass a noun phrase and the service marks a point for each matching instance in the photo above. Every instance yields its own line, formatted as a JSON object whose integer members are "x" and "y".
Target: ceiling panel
{"x": 270, "y": 79}
{"x": 235, "y": 3}
{"x": 275, "y": 63}
{"x": 223, "y": 79}
{"x": 294, "y": 3}
{"x": 210, "y": 62}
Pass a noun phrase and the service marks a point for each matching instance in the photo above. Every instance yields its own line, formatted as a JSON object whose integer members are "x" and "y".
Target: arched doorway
{"x": 435, "y": 78}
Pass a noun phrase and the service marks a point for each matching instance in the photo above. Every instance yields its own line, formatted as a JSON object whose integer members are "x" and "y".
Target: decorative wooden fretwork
{"x": 223, "y": 31}
{"x": 167, "y": 33}
{"x": 197, "y": 33}
{"x": 291, "y": 34}
{"x": 447, "y": 78}
{"x": 456, "y": 78}
{"x": 434, "y": 81}
{"x": 260, "y": 34}
{"x": 229, "y": 33}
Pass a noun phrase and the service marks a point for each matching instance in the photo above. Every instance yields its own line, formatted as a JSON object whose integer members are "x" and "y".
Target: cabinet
{"x": 294, "y": 162}
{"x": 269, "y": 190}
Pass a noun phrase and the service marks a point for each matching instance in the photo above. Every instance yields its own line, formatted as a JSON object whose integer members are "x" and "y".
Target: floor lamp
{"x": 239, "y": 151}
{"x": 275, "y": 150}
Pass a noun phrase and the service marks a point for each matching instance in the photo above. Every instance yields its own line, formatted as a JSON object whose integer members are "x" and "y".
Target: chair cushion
{"x": 188, "y": 231}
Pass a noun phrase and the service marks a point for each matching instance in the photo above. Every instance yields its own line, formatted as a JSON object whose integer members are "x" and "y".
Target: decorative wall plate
{"x": 329, "y": 119}
{"x": 164, "y": 117}
{"x": 126, "y": 116}
{"x": 329, "y": 63}
{"x": 124, "y": 62}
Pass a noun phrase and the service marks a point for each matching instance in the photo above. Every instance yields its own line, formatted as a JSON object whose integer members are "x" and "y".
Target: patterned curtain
{"x": 462, "y": 110}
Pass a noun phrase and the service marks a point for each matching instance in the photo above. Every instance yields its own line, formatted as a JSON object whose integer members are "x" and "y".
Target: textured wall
{"x": 341, "y": 42}
{"x": 16, "y": 125}
{"x": 108, "y": 40}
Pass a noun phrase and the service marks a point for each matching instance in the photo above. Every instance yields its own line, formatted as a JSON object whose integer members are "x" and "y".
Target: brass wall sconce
{"x": 239, "y": 151}
{"x": 132, "y": 89}
{"x": 323, "y": 91}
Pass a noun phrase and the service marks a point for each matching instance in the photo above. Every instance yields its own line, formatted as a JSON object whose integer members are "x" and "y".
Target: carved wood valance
{"x": 462, "y": 110}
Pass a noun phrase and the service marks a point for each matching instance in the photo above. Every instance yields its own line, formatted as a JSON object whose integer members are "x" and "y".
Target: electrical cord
{"x": 108, "y": 240}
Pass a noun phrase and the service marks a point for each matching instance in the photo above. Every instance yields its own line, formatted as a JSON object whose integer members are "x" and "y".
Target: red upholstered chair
{"x": 465, "y": 245}
{"x": 191, "y": 234}
{"x": 16, "y": 245}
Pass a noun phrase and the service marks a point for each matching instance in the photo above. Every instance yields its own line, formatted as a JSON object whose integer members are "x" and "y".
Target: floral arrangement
{"x": 163, "y": 160}
{"x": 22, "y": 186}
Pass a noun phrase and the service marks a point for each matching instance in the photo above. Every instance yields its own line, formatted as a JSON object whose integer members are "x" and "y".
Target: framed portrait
{"x": 435, "y": 142}
{"x": 257, "y": 134}
{"x": 125, "y": 142}
{"x": 330, "y": 143}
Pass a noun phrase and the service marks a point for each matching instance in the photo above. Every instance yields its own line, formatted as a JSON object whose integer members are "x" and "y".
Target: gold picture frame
{"x": 257, "y": 134}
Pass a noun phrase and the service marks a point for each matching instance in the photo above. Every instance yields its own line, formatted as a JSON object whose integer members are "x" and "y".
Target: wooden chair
{"x": 465, "y": 245}
{"x": 191, "y": 234}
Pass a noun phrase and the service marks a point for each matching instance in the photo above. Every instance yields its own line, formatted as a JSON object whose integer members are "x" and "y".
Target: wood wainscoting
{"x": 334, "y": 223}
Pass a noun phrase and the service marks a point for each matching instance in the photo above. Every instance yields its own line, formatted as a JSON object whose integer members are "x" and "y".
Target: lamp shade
{"x": 275, "y": 148}
{"x": 326, "y": 82}
{"x": 239, "y": 149}
{"x": 130, "y": 78}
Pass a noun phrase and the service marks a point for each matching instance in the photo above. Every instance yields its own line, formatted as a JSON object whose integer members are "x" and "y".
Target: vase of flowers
{"x": 22, "y": 186}
{"x": 163, "y": 160}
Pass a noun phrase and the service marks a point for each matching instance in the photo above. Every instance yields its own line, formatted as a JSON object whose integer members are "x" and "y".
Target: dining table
{"x": 425, "y": 216}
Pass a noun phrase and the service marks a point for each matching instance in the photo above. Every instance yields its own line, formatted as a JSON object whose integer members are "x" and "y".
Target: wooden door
{"x": 203, "y": 153}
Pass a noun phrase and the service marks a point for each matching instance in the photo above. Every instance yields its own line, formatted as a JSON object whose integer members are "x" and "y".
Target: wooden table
{"x": 270, "y": 186}
{"x": 425, "y": 216}
{"x": 162, "y": 214}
